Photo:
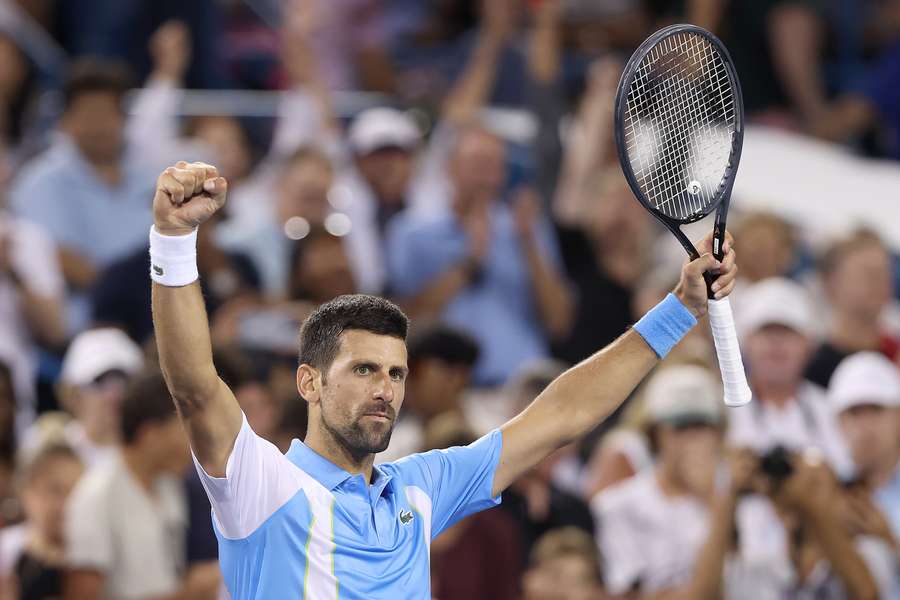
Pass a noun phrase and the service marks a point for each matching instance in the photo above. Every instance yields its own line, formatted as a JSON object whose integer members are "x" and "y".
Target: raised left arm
{"x": 589, "y": 392}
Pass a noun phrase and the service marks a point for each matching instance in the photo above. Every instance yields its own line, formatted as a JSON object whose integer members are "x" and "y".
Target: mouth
{"x": 382, "y": 417}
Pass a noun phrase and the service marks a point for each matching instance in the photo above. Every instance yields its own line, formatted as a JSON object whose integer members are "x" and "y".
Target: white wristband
{"x": 173, "y": 258}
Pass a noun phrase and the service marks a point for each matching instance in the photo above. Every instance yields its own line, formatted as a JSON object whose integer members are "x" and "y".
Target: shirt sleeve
{"x": 35, "y": 258}
{"x": 459, "y": 480}
{"x": 89, "y": 543}
{"x": 258, "y": 481}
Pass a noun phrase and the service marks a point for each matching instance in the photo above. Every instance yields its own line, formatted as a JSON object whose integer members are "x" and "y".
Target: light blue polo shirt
{"x": 298, "y": 526}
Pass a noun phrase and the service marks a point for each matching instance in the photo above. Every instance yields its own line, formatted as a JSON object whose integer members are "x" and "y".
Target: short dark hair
{"x": 321, "y": 332}
{"x": 146, "y": 401}
{"x": 444, "y": 343}
{"x": 89, "y": 76}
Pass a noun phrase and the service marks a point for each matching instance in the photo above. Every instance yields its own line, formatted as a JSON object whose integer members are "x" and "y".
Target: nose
{"x": 383, "y": 389}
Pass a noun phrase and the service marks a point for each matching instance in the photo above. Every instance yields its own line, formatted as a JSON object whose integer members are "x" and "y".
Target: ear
{"x": 309, "y": 383}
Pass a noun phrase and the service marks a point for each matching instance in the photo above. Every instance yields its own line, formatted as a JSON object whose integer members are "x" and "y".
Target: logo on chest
{"x": 406, "y": 517}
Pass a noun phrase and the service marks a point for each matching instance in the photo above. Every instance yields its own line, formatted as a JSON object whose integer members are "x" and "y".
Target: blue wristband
{"x": 665, "y": 325}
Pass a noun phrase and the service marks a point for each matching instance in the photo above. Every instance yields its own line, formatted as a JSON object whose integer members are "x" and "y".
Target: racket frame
{"x": 722, "y": 198}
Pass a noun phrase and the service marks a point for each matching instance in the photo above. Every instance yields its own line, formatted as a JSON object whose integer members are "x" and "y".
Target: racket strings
{"x": 679, "y": 121}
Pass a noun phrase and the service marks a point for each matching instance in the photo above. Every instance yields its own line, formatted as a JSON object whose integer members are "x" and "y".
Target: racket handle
{"x": 734, "y": 380}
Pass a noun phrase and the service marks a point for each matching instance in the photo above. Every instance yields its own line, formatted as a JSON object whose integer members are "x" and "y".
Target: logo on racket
{"x": 694, "y": 188}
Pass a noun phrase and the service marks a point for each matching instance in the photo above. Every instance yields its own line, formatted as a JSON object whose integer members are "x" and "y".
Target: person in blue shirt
{"x": 485, "y": 265}
{"x": 322, "y": 521}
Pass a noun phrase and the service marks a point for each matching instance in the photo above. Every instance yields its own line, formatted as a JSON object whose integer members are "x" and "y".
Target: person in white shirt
{"x": 776, "y": 322}
{"x": 126, "y": 519}
{"x": 32, "y": 297}
{"x": 652, "y": 526}
{"x": 95, "y": 371}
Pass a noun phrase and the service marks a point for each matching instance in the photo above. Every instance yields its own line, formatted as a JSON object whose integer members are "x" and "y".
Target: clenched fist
{"x": 187, "y": 195}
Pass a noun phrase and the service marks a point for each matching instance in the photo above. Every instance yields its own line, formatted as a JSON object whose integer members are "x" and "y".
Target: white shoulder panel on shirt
{"x": 258, "y": 481}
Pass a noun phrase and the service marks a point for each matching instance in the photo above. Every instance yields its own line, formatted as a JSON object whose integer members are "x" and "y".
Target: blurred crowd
{"x": 513, "y": 243}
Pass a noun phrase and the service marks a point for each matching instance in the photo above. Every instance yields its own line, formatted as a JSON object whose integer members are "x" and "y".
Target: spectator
{"x": 482, "y": 265}
{"x": 563, "y": 566}
{"x": 104, "y": 184}
{"x": 440, "y": 369}
{"x": 125, "y": 521}
{"x": 652, "y": 526}
{"x": 858, "y": 280}
{"x": 865, "y": 395}
{"x": 32, "y": 295}
{"x": 320, "y": 268}
{"x": 46, "y": 482}
{"x": 300, "y": 203}
{"x": 777, "y": 328}
{"x": 95, "y": 371}
{"x": 377, "y": 185}
{"x": 768, "y": 247}
{"x": 8, "y": 436}
{"x": 121, "y": 295}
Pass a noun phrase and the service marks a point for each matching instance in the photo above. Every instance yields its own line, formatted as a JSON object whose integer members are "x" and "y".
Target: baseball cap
{"x": 864, "y": 378}
{"x": 383, "y": 127}
{"x": 775, "y": 301}
{"x": 97, "y": 351}
{"x": 684, "y": 394}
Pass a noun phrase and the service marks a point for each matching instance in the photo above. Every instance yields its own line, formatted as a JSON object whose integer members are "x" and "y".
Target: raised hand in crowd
{"x": 170, "y": 47}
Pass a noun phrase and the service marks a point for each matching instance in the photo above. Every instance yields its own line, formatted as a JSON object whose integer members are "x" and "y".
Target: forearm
{"x": 837, "y": 546}
{"x": 183, "y": 341}
{"x": 44, "y": 316}
{"x": 471, "y": 91}
{"x": 554, "y": 301}
{"x": 707, "y": 580}
{"x": 706, "y": 13}
{"x": 435, "y": 296}
{"x": 77, "y": 270}
{"x": 544, "y": 56}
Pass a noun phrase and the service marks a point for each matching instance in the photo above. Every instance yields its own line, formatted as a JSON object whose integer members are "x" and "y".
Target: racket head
{"x": 679, "y": 125}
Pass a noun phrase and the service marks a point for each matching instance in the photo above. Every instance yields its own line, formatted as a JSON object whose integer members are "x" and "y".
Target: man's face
{"x": 862, "y": 282}
{"x": 168, "y": 443}
{"x": 324, "y": 270}
{"x": 692, "y": 451}
{"x": 95, "y": 121}
{"x": 388, "y": 171}
{"x": 363, "y": 391}
{"x": 567, "y": 577}
{"x": 777, "y": 355}
{"x": 872, "y": 432}
{"x": 303, "y": 191}
{"x": 225, "y": 136}
{"x": 478, "y": 167}
{"x": 97, "y": 405}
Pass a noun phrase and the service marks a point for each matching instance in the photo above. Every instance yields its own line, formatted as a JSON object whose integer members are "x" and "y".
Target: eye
{"x": 398, "y": 375}
{"x": 363, "y": 370}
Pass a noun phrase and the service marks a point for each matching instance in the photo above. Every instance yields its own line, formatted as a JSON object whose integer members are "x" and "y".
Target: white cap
{"x": 383, "y": 127}
{"x": 97, "y": 351}
{"x": 684, "y": 393}
{"x": 775, "y": 301}
{"x": 864, "y": 378}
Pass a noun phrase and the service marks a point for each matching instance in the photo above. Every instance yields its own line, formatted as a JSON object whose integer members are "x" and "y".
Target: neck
{"x": 670, "y": 484}
{"x": 139, "y": 467}
{"x": 100, "y": 436}
{"x": 325, "y": 445}
{"x": 880, "y": 473}
{"x": 852, "y": 333}
{"x": 777, "y": 393}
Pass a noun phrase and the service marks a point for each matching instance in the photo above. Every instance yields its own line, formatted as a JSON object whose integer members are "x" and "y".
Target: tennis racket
{"x": 679, "y": 132}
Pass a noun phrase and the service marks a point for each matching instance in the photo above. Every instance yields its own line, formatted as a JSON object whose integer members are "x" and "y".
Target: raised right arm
{"x": 186, "y": 196}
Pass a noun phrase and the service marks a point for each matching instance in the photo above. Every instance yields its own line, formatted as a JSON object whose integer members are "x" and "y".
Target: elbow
{"x": 192, "y": 395}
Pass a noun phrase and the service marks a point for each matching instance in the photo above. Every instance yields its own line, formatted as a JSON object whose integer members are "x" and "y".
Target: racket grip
{"x": 734, "y": 380}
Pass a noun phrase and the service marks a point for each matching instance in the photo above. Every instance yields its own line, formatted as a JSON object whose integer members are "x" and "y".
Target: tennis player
{"x": 322, "y": 522}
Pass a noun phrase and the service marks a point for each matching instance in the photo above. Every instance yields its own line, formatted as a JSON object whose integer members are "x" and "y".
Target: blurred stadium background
{"x": 457, "y": 157}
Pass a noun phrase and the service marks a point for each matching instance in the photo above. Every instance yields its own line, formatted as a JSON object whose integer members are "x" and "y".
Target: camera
{"x": 777, "y": 464}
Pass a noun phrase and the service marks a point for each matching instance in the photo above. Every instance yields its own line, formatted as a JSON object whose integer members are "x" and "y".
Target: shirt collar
{"x": 329, "y": 474}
